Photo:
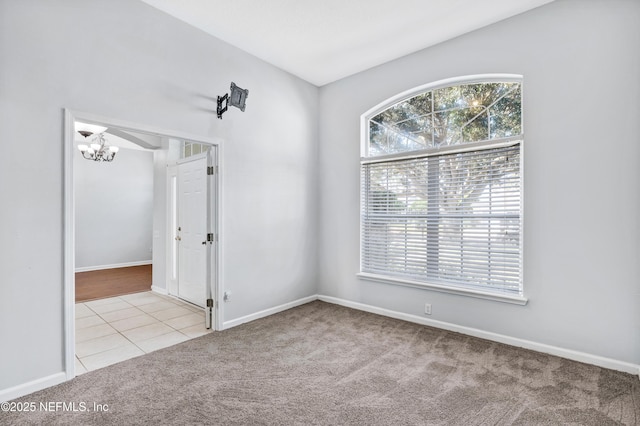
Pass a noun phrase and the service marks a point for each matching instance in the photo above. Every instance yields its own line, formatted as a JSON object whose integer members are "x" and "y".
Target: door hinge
{"x": 211, "y": 238}
{"x": 212, "y": 170}
{"x": 209, "y": 303}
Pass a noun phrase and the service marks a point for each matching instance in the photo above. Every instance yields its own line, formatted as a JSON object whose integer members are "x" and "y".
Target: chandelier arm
{"x": 99, "y": 150}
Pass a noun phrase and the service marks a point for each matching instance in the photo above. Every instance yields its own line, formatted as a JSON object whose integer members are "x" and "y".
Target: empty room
{"x": 363, "y": 212}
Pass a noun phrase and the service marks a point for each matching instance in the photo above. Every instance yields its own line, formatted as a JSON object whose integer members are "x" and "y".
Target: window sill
{"x": 516, "y": 300}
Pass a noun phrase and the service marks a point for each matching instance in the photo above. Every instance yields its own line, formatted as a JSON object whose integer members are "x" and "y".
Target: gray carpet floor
{"x": 321, "y": 364}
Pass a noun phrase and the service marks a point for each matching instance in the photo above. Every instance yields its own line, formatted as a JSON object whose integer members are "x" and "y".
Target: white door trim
{"x": 216, "y": 284}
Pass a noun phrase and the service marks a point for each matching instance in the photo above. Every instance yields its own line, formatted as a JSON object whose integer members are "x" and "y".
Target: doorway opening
{"x": 114, "y": 210}
{"x": 176, "y": 296}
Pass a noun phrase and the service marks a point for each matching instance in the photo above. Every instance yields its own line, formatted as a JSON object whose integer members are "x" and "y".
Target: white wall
{"x": 114, "y": 209}
{"x": 581, "y": 71}
{"x": 125, "y": 60}
{"x": 158, "y": 276}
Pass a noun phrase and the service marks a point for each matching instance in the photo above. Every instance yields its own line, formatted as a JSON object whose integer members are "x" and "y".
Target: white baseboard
{"x": 54, "y": 379}
{"x": 267, "y": 312}
{"x": 30, "y": 387}
{"x": 159, "y": 290}
{"x": 586, "y": 358}
{"x": 114, "y": 266}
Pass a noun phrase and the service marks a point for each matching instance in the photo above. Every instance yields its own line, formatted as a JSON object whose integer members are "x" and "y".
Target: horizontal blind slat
{"x": 452, "y": 218}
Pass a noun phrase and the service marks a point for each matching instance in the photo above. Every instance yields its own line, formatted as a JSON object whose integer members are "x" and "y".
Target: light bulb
{"x": 95, "y": 146}
{"x": 83, "y": 148}
{"x": 114, "y": 149}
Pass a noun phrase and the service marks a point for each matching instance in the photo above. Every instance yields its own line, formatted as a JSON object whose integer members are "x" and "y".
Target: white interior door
{"x": 192, "y": 231}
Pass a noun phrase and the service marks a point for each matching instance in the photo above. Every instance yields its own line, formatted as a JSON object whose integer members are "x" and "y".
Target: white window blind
{"x": 450, "y": 219}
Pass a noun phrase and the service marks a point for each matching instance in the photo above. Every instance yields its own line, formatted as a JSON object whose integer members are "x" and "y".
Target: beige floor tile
{"x": 83, "y": 311}
{"x": 185, "y": 321}
{"x": 100, "y": 302}
{"x": 180, "y": 302}
{"x": 195, "y": 331}
{"x": 111, "y": 307}
{"x": 90, "y": 333}
{"x": 139, "y": 299}
{"x": 80, "y": 368}
{"x": 193, "y": 308}
{"x": 157, "y": 306}
{"x": 147, "y": 332}
{"x": 162, "y": 341}
{"x": 166, "y": 314}
{"x": 133, "y": 322}
{"x": 101, "y": 344}
{"x": 121, "y": 314}
{"x": 140, "y": 295}
{"x": 111, "y": 356}
{"x": 88, "y": 321}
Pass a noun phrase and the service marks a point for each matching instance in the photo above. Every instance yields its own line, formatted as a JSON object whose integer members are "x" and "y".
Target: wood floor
{"x": 112, "y": 282}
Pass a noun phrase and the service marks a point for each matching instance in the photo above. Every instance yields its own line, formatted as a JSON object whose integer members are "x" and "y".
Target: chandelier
{"x": 97, "y": 150}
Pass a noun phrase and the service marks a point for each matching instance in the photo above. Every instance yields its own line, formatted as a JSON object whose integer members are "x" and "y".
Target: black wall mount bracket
{"x": 237, "y": 98}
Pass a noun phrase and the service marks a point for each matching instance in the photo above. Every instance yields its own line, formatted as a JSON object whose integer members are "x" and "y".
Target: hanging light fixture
{"x": 97, "y": 150}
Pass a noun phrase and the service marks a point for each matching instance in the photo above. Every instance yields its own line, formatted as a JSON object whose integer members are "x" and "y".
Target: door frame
{"x": 215, "y": 284}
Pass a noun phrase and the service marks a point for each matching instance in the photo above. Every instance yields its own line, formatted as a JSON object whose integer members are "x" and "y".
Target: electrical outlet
{"x": 427, "y": 308}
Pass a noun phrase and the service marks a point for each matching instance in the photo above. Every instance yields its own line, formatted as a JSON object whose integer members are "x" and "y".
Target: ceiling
{"x": 117, "y": 137}
{"x": 322, "y": 41}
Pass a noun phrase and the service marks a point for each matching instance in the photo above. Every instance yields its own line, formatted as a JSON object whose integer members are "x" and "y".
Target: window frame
{"x": 487, "y": 144}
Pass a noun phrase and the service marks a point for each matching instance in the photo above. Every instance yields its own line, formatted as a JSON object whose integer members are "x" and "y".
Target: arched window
{"x": 441, "y": 189}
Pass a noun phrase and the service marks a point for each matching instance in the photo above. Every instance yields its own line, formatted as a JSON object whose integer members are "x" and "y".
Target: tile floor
{"x": 119, "y": 328}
